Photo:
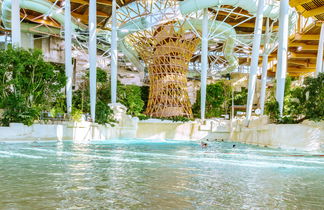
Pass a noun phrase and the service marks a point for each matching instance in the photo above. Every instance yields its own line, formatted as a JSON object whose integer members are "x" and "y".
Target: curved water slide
{"x": 180, "y": 10}
{"x": 45, "y": 7}
{"x": 41, "y": 6}
{"x": 226, "y": 31}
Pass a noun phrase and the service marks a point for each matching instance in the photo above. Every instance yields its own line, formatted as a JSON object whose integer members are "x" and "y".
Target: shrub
{"x": 104, "y": 114}
{"x": 76, "y": 115}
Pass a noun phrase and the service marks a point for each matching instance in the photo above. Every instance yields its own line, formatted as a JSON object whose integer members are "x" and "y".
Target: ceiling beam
{"x": 313, "y": 12}
{"x": 297, "y": 74}
{"x": 102, "y": 2}
{"x": 247, "y": 25}
{"x": 294, "y": 3}
{"x": 302, "y": 55}
{"x": 80, "y": 2}
{"x": 41, "y": 20}
{"x": 312, "y": 37}
{"x": 304, "y": 46}
{"x": 83, "y": 18}
{"x": 302, "y": 63}
{"x": 102, "y": 14}
{"x": 300, "y": 70}
{"x": 293, "y": 69}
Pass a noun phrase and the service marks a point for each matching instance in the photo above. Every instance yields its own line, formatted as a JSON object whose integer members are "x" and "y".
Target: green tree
{"x": 28, "y": 85}
{"x": 218, "y": 100}
{"x": 240, "y": 98}
{"x": 128, "y": 95}
{"x": 310, "y": 98}
{"x": 300, "y": 103}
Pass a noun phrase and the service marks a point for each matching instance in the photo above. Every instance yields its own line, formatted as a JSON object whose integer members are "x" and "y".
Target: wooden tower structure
{"x": 167, "y": 50}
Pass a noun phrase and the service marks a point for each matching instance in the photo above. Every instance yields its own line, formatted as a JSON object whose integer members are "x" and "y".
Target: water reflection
{"x": 144, "y": 174}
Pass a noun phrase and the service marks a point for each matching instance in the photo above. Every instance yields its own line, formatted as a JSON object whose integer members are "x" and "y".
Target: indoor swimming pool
{"x": 145, "y": 174}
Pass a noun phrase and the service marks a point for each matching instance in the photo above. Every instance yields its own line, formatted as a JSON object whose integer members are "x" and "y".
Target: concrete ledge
{"x": 67, "y": 131}
{"x": 305, "y": 136}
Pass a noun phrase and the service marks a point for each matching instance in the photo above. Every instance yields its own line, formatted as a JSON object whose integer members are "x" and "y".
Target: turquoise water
{"x": 142, "y": 174}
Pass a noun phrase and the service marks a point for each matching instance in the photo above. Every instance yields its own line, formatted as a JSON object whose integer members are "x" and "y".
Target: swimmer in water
{"x": 234, "y": 145}
{"x": 203, "y": 144}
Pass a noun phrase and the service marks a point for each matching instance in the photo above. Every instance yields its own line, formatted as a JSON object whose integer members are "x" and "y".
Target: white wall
{"x": 307, "y": 136}
{"x": 194, "y": 130}
{"x": 65, "y": 131}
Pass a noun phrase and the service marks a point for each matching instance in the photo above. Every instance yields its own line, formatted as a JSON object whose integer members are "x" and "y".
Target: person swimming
{"x": 234, "y": 145}
{"x": 203, "y": 144}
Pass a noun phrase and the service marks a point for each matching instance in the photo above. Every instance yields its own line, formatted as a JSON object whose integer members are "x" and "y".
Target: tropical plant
{"x": 300, "y": 103}
{"x": 218, "y": 100}
{"x": 312, "y": 98}
{"x": 81, "y": 98}
{"x": 240, "y": 98}
{"x": 104, "y": 114}
{"x": 145, "y": 91}
{"x": 17, "y": 111}
{"x": 28, "y": 85}
{"x": 76, "y": 115}
{"x": 128, "y": 95}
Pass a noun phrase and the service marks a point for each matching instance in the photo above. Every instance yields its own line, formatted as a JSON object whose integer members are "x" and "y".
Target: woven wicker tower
{"x": 167, "y": 50}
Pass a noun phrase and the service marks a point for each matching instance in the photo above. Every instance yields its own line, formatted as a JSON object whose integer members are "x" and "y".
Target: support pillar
{"x": 263, "y": 82}
{"x": 264, "y": 68}
{"x": 204, "y": 64}
{"x": 27, "y": 40}
{"x": 68, "y": 54}
{"x": 282, "y": 53}
{"x": 6, "y": 40}
{"x": 93, "y": 56}
{"x": 114, "y": 54}
{"x": 319, "y": 61}
{"x": 255, "y": 59}
{"x": 15, "y": 23}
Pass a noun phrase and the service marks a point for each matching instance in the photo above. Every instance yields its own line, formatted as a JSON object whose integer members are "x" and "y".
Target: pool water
{"x": 143, "y": 174}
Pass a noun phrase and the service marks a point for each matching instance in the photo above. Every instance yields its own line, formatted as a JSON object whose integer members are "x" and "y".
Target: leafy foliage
{"x": 145, "y": 91}
{"x": 17, "y": 111}
{"x": 128, "y": 95}
{"x": 101, "y": 75}
{"x": 76, "y": 115}
{"x": 28, "y": 85}
{"x": 272, "y": 108}
{"x": 81, "y": 98}
{"x": 59, "y": 106}
{"x": 311, "y": 99}
{"x": 104, "y": 114}
{"x": 240, "y": 98}
{"x": 300, "y": 103}
{"x": 218, "y": 100}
